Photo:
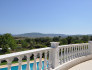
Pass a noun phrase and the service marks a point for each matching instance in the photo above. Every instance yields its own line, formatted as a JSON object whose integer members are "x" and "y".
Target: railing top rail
{"x": 73, "y": 45}
{"x": 24, "y": 53}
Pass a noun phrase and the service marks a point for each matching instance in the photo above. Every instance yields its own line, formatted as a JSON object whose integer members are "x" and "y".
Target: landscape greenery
{"x": 10, "y": 44}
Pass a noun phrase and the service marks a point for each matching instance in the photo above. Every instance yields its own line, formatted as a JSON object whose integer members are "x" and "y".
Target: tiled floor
{"x": 83, "y": 66}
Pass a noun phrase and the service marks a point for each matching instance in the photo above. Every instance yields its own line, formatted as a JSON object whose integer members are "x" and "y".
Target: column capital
{"x": 89, "y": 41}
{"x": 9, "y": 60}
{"x": 28, "y": 55}
{"x": 20, "y": 57}
{"x": 35, "y": 54}
{"x": 54, "y": 44}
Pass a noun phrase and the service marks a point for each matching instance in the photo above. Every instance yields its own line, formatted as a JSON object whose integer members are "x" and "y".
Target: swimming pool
{"x": 24, "y": 66}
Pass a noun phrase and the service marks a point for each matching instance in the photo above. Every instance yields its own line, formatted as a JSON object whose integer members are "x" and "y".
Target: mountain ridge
{"x": 36, "y": 35}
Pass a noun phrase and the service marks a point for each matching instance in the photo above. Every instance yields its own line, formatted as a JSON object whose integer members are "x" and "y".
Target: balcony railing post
{"x": 28, "y": 61}
{"x": 20, "y": 62}
{"x": 9, "y": 62}
{"x": 54, "y": 54}
{"x": 90, "y": 47}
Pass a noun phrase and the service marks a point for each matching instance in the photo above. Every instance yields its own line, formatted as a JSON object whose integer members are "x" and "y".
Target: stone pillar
{"x": 28, "y": 62}
{"x": 34, "y": 66}
{"x": 20, "y": 62}
{"x": 40, "y": 61}
{"x": 9, "y": 62}
{"x": 54, "y": 54}
{"x": 45, "y": 61}
{"x": 90, "y": 47}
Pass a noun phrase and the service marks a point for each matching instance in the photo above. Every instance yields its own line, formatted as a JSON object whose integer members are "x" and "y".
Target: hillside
{"x": 35, "y": 35}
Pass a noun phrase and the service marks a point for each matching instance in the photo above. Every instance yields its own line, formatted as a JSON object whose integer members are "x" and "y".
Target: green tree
{"x": 24, "y": 44}
{"x": 85, "y": 38}
{"x": 6, "y": 42}
{"x": 69, "y": 39}
{"x": 63, "y": 41}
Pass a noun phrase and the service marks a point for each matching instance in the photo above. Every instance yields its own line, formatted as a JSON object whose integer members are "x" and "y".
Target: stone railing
{"x": 54, "y": 56}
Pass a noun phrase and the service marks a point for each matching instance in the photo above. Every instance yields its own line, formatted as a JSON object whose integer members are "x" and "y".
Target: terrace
{"x": 56, "y": 57}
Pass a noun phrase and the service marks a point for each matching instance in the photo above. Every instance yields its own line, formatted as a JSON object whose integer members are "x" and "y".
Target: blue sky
{"x": 46, "y": 16}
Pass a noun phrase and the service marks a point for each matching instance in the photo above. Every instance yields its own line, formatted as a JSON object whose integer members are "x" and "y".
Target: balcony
{"x": 56, "y": 57}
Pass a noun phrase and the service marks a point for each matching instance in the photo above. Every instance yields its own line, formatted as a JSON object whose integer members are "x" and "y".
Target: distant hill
{"x": 36, "y": 35}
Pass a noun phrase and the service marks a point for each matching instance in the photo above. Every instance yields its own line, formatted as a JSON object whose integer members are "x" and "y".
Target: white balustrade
{"x": 20, "y": 62}
{"x": 28, "y": 61}
{"x": 67, "y": 53}
{"x": 35, "y": 66}
{"x": 40, "y": 61}
{"x": 45, "y": 61}
{"x": 9, "y": 62}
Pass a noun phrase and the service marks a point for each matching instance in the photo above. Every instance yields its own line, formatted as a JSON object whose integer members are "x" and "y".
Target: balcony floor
{"x": 83, "y": 66}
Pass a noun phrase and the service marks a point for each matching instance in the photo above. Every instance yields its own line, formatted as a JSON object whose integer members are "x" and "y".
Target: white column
{"x": 82, "y": 51}
{"x": 40, "y": 61}
{"x": 64, "y": 55}
{"x": 90, "y": 47}
{"x": 9, "y": 62}
{"x": 50, "y": 60}
{"x": 20, "y": 62}
{"x": 28, "y": 61}
{"x": 55, "y": 54}
{"x": 61, "y": 56}
{"x": 85, "y": 50}
{"x": 45, "y": 61}
{"x": 72, "y": 52}
{"x": 34, "y": 66}
{"x": 78, "y": 51}
{"x": 67, "y": 53}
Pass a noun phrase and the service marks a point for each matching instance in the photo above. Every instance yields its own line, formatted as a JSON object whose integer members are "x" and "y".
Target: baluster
{"x": 61, "y": 57}
{"x": 67, "y": 54}
{"x": 85, "y": 49}
{"x": 82, "y": 50}
{"x": 34, "y": 66}
{"x": 78, "y": 50}
{"x": 73, "y": 52}
{"x": 49, "y": 63}
{"x": 40, "y": 61}
{"x": 45, "y": 61}
{"x": 88, "y": 50}
{"x": 70, "y": 52}
{"x": 9, "y": 62}
{"x": 20, "y": 62}
{"x": 28, "y": 62}
{"x": 64, "y": 54}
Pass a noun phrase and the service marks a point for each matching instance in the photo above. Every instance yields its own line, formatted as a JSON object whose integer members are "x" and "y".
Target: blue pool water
{"x": 24, "y": 66}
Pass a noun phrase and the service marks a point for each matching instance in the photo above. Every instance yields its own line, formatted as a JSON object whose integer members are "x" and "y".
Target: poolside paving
{"x": 83, "y": 66}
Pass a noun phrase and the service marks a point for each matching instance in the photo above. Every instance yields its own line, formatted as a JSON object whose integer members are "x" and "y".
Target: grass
{"x": 5, "y": 63}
